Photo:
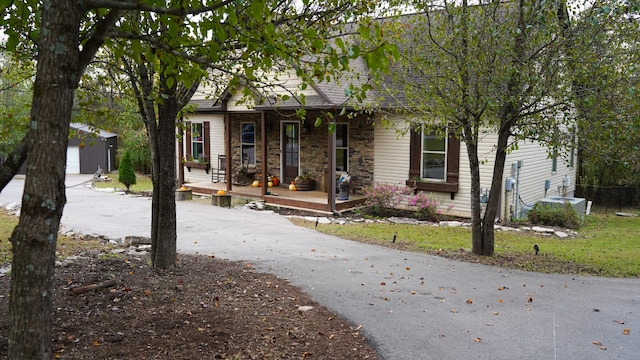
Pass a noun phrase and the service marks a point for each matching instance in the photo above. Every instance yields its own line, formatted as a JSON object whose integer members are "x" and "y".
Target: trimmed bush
{"x": 126, "y": 174}
{"x": 427, "y": 208}
{"x": 554, "y": 215}
{"x": 382, "y": 199}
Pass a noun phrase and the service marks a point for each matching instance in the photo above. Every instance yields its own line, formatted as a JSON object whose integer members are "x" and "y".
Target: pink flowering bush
{"x": 427, "y": 208}
{"x": 384, "y": 198}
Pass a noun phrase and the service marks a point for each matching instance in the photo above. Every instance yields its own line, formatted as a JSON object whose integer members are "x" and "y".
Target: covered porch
{"x": 313, "y": 200}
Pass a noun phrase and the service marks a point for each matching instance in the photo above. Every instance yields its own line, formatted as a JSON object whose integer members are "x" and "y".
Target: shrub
{"x": 126, "y": 174}
{"x": 553, "y": 215}
{"x": 383, "y": 198}
{"x": 427, "y": 208}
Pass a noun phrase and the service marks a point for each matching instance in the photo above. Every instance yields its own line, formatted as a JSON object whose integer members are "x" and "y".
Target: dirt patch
{"x": 204, "y": 309}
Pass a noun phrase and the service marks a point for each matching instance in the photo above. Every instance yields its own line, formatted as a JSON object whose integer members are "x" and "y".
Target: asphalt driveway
{"x": 410, "y": 306}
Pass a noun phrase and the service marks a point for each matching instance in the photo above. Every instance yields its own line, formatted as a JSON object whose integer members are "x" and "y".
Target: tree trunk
{"x": 471, "y": 143}
{"x": 488, "y": 221}
{"x": 165, "y": 231}
{"x": 34, "y": 239}
{"x": 14, "y": 161}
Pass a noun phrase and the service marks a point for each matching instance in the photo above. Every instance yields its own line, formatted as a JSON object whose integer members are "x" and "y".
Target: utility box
{"x": 579, "y": 204}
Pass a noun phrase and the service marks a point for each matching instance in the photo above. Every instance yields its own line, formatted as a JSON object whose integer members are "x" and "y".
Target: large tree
{"x": 605, "y": 92}
{"x": 168, "y": 68}
{"x": 66, "y": 35}
{"x": 494, "y": 67}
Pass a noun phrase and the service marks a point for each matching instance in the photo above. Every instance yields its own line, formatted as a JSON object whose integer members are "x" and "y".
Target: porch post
{"x": 180, "y": 152}
{"x": 331, "y": 193}
{"x": 227, "y": 151}
{"x": 263, "y": 137}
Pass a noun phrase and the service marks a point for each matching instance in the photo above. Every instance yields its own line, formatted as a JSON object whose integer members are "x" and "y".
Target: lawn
{"x": 143, "y": 183}
{"x": 607, "y": 245}
{"x": 66, "y": 246}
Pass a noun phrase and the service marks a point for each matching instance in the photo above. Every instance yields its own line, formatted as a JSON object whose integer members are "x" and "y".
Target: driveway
{"x": 410, "y": 306}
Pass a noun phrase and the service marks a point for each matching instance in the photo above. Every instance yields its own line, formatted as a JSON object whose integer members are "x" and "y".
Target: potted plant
{"x": 202, "y": 162}
{"x": 305, "y": 182}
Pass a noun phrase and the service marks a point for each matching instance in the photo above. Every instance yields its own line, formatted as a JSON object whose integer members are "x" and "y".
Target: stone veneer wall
{"x": 313, "y": 146}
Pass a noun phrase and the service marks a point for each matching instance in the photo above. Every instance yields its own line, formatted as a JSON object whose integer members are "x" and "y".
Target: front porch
{"x": 281, "y": 196}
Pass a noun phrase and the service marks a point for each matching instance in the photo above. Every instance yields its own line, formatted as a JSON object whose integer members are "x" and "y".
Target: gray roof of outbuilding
{"x": 86, "y": 128}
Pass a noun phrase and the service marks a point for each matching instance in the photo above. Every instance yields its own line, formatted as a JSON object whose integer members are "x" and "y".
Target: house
{"x": 263, "y": 136}
{"x": 365, "y": 148}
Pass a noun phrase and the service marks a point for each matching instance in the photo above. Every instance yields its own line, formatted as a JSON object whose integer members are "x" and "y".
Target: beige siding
{"x": 391, "y": 155}
{"x": 216, "y": 144}
{"x": 391, "y": 166}
{"x": 536, "y": 168}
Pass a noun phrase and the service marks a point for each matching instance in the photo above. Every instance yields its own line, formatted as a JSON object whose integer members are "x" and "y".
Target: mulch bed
{"x": 204, "y": 309}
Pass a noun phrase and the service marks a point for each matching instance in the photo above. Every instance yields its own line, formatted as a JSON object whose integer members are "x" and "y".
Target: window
{"x": 434, "y": 155}
{"x": 434, "y": 163}
{"x": 248, "y": 143}
{"x": 342, "y": 147}
{"x": 197, "y": 141}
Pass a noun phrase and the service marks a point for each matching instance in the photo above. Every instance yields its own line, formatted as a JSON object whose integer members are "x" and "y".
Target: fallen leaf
{"x": 96, "y": 343}
{"x": 626, "y": 331}
{"x": 407, "y": 268}
{"x": 619, "y": 322}
{"x": 383, "y": 283}
{"x": 530, "y": 299}
{"x": 500, "y": 301}
{"x": 596, "y": 342}
{"x": 477, "y": 339}
{"x": 454, "y": 310}
{"x": 603, "y": 348}
{"x": 469, "y": 301}
{"x": 312, "y": 249}
{"x": 413, "y": 292}
{"x": 496, "y": 313}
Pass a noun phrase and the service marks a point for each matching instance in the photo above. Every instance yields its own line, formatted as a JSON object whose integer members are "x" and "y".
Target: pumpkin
{"x": 292, "y": 186}
{"x": 221, "y": 192}
{"x": 275, "y": 180}
{"x": 270, "y": 184}
{"x": 255, "y": 183}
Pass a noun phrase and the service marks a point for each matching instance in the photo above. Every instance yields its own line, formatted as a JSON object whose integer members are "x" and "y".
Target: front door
{"x": 290, "y": 151}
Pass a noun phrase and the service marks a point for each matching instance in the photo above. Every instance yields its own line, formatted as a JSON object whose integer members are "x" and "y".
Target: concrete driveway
{"x": 410, "y": 306}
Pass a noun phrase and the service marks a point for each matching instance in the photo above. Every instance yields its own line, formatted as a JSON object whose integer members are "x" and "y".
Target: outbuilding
{"x": 90, "y": 149}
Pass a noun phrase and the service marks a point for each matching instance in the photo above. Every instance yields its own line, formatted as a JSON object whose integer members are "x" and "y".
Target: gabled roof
{"x": 86, "y": 128}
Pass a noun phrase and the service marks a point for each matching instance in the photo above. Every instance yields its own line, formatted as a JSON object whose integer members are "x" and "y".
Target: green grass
{"x": 607, "y": 245}
{"x": 66, "y": 246}
{"x": 143, "y": 183}
{"x": 7, "y": 223}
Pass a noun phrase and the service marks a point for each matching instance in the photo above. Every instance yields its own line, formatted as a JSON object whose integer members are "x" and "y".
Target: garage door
{"x": 73, "y": 160}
